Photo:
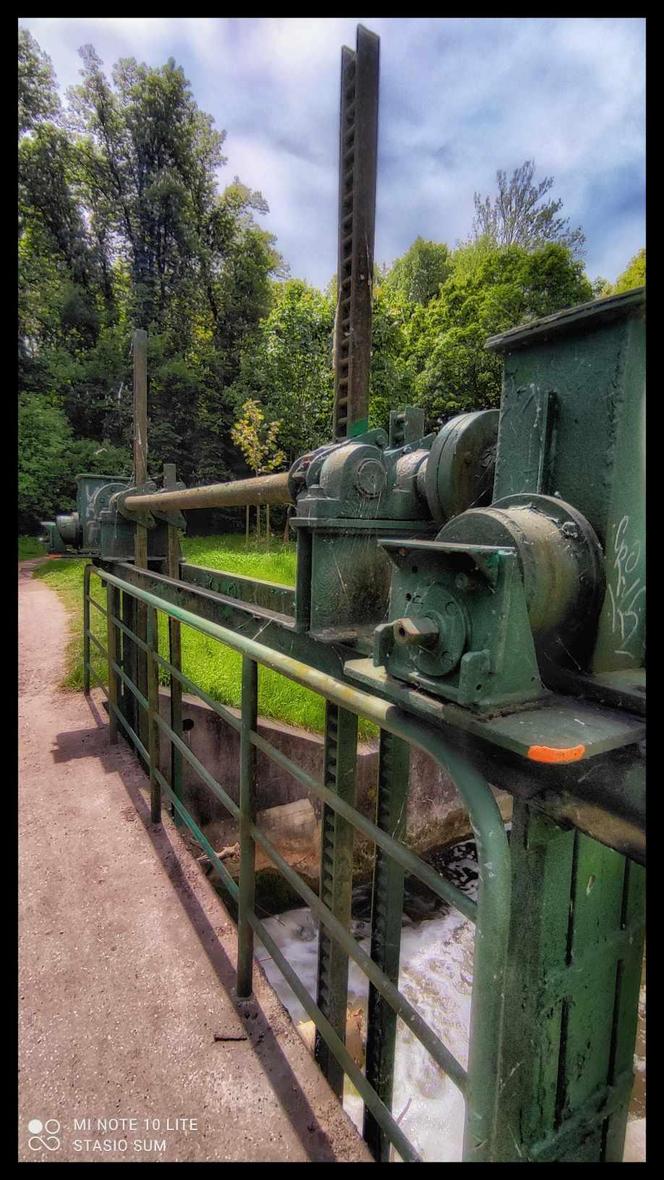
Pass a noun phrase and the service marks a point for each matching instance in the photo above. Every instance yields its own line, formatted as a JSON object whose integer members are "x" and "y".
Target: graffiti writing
{"x": 626, "y": 592}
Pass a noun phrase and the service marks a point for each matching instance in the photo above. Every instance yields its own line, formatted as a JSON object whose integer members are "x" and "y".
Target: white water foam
{"x": 436, "y": 977}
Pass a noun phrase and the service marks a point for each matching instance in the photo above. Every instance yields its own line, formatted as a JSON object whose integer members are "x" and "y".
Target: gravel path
{"x": 127, "y": 962}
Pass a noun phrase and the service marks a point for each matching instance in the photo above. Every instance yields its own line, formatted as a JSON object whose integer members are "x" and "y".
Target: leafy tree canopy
{"x": 634, "y": 274}
{"x": 419, "y": 273}
{"x": 518, "y": 215}
{"x": 37, "y": 90}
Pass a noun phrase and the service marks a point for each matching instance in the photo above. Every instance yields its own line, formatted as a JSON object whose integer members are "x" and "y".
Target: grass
{"x": 30, "y": 547}
{"x": 230, "y": 552}
{"x": 216, "y": 668}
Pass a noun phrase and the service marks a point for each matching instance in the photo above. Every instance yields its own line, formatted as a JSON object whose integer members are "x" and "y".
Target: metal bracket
{"x": 142, "y": 516}
{"x": 173, "y": 516}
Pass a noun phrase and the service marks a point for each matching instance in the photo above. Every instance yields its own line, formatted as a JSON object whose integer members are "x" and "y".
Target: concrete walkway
{"x": 127, "y": 963}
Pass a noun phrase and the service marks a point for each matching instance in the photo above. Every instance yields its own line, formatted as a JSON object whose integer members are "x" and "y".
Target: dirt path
{"x": 127, "y": 962}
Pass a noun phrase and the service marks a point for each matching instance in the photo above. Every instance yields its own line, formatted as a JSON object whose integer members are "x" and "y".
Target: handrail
{"x": 492, "y": 916}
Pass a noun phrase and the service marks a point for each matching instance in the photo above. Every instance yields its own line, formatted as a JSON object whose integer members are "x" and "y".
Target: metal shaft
{"x": 264, "y": 489}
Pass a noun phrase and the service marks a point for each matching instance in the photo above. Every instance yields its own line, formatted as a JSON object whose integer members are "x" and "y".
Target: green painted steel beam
{"x": 336, "y": 882}
{"x": 248, "y": 721}
{"x": 386, "y": 915}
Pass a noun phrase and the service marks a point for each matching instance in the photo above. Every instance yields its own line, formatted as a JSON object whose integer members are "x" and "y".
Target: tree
{"x": 451, "y": 369}
{"x": 257, "y": 439}
{"x": 37, "y": 91}
{"x": 286, "y": 366}
{"x": 419, "y": 273}
{"x": 634, "y": 274}
{"x": 390, "y": 378}
{"x": 148, "y": 162}
{"x": 50, "y": 458}
{"x": 122, "y": 223}
{"x": 519, "y": 216}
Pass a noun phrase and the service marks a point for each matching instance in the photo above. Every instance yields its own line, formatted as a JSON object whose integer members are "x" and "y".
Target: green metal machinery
{"x": 479, "y": 592}
{"x": 82, "y": 530}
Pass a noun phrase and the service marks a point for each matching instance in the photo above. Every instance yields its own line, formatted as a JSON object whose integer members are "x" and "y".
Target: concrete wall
{"x": 435, "y": 814}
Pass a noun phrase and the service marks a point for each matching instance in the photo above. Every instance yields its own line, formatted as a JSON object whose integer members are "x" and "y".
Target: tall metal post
{"x": 358, "y": 153}
{"x": 386, "y": 913}
{"x": 336, "y": 882}
{"x": 86, "y": 629}
{"x": 245, "y": 933}
{"x": 153, "y": 712}
{"x": 113, "y": 648}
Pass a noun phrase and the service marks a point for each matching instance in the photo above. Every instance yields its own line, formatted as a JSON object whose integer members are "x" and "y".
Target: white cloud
{"x": 459, "y": 99}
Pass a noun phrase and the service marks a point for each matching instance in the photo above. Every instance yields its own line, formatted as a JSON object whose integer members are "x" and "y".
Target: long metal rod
{"x": 264, "y": 489}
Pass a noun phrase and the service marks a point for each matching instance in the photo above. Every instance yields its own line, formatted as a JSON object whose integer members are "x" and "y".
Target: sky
{"x": 459, "y": 99}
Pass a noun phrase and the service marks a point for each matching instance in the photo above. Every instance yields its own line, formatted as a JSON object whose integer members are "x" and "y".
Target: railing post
{"x": 140, "y": 530}
{"x": 86, "y": 629}
{"x": 174, "y": 649}
{"x": 245, "y": 934}
{"x": 129, "y": 704}
{"x": 153, "y": 712}
{"x": 386, "y": 913}
{"x": 112, "y": 608}
{"x": 336, "y": 882}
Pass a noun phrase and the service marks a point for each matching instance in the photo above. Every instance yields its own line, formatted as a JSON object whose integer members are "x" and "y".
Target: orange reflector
{"x": 551, "y": 754}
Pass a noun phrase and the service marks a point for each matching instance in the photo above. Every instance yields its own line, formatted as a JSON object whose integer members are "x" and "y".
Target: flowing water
{"x": 436, "y": 973}
{"x": 435, "y": 976}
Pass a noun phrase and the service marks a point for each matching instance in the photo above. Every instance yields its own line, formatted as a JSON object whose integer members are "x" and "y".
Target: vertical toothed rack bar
{"x": 358, "y": 152}
{"x": 386, "y": 911}
{"x": 336, "y": 882}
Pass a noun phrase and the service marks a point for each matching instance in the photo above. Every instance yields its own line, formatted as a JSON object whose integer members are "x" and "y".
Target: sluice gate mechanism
{"x": 477, "y": 592}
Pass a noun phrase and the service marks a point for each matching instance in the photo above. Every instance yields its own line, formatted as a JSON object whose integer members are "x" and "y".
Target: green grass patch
{"x": 216, "y": 668}
{"x": 30, "y": 547}
{"x": 272, "y": 563}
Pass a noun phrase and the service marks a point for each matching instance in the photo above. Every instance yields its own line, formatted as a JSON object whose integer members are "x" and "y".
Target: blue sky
{"x": 459, "y": 99}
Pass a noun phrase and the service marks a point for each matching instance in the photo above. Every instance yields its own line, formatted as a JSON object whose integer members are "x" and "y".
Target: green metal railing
{"x": 137, "y": 713}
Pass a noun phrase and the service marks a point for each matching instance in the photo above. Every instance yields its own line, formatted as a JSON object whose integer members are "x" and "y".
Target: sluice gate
{"x": 478, "y": 593}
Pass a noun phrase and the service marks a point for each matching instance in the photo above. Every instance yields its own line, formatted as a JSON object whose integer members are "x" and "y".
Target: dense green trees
{"x": 419, "y": 273}
{"x": 122, "y": 223}
{"x": 445, "y": 366}
{"x": 286, "y": 364}
{"x": 634, "y": 274}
